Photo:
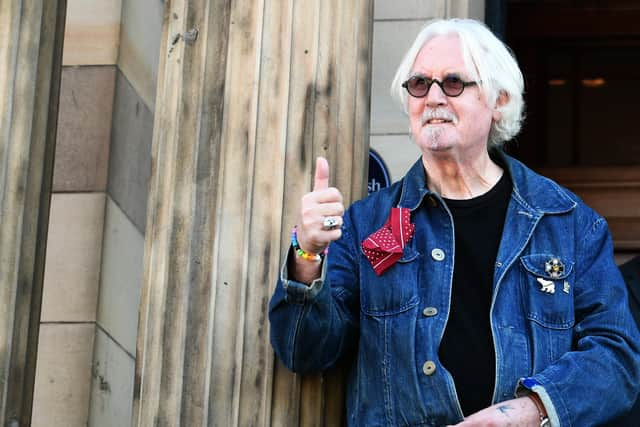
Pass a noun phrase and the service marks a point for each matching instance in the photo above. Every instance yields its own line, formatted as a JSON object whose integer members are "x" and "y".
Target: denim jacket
{"x": 574, "y": 342}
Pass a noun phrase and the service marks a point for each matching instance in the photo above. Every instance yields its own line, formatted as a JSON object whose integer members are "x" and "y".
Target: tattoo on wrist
{"x": 504, "y": 409}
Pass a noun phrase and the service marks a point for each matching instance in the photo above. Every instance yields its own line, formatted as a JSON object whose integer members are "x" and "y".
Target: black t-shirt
{"x": 467, "y": 349}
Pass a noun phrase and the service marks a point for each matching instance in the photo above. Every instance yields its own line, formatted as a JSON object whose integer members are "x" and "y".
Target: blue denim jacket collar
{"x": 535, "y": 193}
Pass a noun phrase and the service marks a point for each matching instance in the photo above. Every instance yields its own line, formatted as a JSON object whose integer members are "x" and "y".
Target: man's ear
{"x": 503, "y": 98}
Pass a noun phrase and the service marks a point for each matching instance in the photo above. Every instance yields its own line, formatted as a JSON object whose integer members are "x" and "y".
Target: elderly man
{"x": 472, "y": 292}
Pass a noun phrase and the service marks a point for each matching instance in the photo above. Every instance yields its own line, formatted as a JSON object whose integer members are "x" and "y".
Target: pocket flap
{"x": 548, "y": 266}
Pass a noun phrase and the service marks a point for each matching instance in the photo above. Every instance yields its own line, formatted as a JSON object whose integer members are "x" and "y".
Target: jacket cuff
{"x": 297, "y": 292}
{"x": 530, "y": 384}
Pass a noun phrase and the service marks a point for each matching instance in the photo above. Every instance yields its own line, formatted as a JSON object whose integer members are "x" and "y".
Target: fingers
{"x": 312, "y": 209}
{"x": 315, "y": 232}
{"x": 315, "y": 240}
{"x": 331, "y": 209}
{"x": 328, "y": 195}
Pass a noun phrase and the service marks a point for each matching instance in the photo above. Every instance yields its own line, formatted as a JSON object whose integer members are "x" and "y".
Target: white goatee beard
{"x": 434, "y": 137}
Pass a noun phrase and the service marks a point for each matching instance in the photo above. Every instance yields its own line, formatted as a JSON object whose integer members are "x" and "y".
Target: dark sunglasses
{"x": 418, "y": 86}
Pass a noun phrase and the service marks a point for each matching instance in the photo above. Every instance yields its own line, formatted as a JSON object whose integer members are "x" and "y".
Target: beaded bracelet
{"x": 301, "y": 252}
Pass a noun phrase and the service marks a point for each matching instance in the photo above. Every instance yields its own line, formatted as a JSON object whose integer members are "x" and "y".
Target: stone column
{"x": 31, "y": 36}
{"x": 249, "y": 93}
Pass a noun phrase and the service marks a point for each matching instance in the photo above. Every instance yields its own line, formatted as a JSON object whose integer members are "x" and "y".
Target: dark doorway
{"x": 581, "y": 62}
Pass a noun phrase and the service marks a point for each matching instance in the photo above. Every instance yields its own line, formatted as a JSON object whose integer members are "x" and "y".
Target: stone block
{"x": 92, "y": 32}
{"x": 409, "y": 9}
{"x": 72, "y": 267}
{"x": 111, "y": 385}
{"x": 121, "y": 277}
{"x": 63, "y": 375}
{"x": 84, "y": 129}
{"x": 130, "y": 156}
{"x": 140, "y": 38}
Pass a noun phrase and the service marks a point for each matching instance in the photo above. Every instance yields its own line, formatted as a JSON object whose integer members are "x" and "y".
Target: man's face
{"x": 467, "y": 118}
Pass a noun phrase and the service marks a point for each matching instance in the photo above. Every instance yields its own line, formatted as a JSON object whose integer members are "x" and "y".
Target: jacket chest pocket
{"x": 393, "y": 292}
{"x": 547, "y": 284}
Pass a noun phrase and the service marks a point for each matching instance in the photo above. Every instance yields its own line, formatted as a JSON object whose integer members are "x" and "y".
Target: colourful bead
{"x": 301, "y": 252}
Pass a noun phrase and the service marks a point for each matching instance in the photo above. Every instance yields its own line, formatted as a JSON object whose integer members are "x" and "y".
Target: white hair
{"x": 487, "y": 60}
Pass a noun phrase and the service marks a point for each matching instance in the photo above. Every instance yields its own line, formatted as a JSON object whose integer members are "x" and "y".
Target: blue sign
{"x": 378, "y": 173}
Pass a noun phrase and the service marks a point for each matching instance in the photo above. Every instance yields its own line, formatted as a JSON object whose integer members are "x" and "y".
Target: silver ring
{"x": 329, "y": 223}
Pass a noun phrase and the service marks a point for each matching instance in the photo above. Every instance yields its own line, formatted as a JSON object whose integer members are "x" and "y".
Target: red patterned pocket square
{"x": 384, "y": 247}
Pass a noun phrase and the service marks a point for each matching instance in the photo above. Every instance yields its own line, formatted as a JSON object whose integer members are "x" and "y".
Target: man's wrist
{"x": 304, "y": 270}
{"x": 544, "y": 418}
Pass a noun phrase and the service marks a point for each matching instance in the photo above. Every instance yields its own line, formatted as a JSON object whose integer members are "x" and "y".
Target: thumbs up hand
{"x": 320, "y": 213}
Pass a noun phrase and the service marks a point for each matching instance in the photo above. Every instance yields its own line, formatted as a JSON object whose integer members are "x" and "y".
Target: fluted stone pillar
{"x": 31, "y": 36}
{"x": 249, "y": 93}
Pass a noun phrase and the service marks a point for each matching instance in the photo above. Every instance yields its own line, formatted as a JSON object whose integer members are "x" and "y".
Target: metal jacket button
{"x": 437, "y": 254}
{"x": 429, "y": 367}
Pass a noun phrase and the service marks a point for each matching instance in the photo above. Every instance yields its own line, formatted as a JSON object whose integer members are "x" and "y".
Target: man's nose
{"x": 435, "y": 97}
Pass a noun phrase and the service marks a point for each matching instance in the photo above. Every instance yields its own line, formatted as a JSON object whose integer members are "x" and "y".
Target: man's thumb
{"x": 321, "y": 180}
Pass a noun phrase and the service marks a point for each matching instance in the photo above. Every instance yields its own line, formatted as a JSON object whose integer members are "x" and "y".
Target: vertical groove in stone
{"x": 325, "y": 114}
{"x": 285, "y": 386}
{"x": 300, "y": 156}
{"x": 215, "y": 33}
{"x": 207, "y": 87}
{"x": 150, "y": 343}
{"x": 266, "y": 211}
{"x": 362, "y": 98}
{"x": 234, "y": 211}
{"x": 30, "y": 68}
{"x": 241, "y": 113}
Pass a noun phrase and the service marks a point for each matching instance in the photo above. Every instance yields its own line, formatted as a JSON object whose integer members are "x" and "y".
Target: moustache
{"x": 438, "y": 113}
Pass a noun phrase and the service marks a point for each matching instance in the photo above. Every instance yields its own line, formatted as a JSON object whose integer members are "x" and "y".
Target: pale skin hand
{"x": 520, "y": 412}
{"x": 321, "y": 202}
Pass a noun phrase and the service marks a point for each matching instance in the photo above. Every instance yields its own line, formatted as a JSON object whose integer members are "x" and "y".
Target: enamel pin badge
{"x": 547, "y": 285}
{"x": 554, "y": 268}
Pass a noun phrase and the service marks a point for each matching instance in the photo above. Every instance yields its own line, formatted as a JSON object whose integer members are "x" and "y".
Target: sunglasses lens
{"x": 417, "y": 86}
{"x": 452, "y": 86}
